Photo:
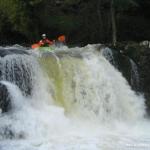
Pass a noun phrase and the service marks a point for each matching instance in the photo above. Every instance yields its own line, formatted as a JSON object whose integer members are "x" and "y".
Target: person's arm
{"x": 49, "y": 42}
{"x": 41, "y": 43}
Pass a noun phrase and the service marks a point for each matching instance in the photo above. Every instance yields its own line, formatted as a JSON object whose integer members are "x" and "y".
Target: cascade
{"x": 78, "y": 100}
{"x": 85, "y": 81}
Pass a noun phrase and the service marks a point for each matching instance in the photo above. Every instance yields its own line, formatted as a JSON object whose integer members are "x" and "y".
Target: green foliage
{"x": 64, "y": 23}
{"x": 82, "y": 20}
{"x": 14, "y": 11}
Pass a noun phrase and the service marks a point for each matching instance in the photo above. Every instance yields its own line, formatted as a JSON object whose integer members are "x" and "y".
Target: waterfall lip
{"x": 10, "y": 51}
{"x": 63, "y": 53}
{"x": 77, "y": 52}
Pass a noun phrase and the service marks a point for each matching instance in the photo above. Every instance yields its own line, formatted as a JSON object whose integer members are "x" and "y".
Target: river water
{"x": 79, "y": 101}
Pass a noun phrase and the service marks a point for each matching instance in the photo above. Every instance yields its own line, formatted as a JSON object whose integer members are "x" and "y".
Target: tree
{"x": 118, "y": 5}
{"x": 18, "y": 14}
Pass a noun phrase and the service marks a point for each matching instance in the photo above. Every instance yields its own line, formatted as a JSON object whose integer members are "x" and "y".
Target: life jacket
{"x": 45, "y": 42}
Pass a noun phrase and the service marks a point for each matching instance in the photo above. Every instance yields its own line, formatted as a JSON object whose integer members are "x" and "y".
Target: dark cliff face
{"x": 123, "y": 65}
{"x": 141, "y": 56}
{"x": 127, "y": 67}
{"x": 144, "y": 65}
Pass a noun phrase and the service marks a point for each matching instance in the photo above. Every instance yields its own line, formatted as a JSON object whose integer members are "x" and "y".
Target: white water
{"x": 108, "y": 54}
{"x": 109, "y": 117}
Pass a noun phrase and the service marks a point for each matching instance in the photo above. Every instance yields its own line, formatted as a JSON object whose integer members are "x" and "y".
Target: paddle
{"x": 36, "y": 45}
{"x": 62, "y": 38}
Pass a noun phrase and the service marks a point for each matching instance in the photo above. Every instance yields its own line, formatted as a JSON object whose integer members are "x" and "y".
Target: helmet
{"x": 43, "y": 35}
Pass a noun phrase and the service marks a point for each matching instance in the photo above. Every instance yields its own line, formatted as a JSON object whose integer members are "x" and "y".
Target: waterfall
{"x": 78, "y": 101}
{"x": 17, "y": 69}
{"x": 16, "y": 66}
{"x": 89, "y": 85}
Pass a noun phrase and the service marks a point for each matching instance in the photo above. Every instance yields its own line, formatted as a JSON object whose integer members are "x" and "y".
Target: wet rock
{"x": 144, "y": 65}
{"x": 140, "y": 53}
{"x": 123, "y": 63}
{"x": 5, "y": 102}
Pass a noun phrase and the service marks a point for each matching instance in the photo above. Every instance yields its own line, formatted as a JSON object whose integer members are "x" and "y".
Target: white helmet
{"x": 43, "y": 35}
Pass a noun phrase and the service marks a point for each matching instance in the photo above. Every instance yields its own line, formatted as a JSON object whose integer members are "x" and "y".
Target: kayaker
{"x": 45, "y": 41}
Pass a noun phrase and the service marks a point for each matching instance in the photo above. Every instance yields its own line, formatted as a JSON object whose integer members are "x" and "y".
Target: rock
{"x": 5, "y": 101}
{"x": 140, "y": 53}
{"x": 145, "y": 43}
{"x": 144, "y": 65}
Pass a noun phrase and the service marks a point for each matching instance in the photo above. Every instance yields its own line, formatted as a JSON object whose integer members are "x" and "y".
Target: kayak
{"x": 60, "y": 41}
{"x": 41, "y": 48}
{"x": 46, "y": 49}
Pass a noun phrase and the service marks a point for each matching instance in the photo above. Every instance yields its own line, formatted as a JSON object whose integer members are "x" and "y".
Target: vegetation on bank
{"x": 82, "y": 21}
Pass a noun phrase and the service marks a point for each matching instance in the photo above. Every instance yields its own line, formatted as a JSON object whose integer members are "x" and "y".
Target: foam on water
{"x": 37, "y": 123}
